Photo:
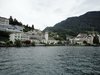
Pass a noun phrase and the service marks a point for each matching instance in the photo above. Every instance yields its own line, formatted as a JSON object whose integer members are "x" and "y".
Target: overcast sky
{"x": 43, "y": 13}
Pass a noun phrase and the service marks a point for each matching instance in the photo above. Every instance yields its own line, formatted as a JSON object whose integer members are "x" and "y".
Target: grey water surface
{"x": 55, "y": 60}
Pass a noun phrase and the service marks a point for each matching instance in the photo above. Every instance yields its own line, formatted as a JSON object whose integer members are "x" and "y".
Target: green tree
{"x": 27, "y": 42}
{"x": 20, "y": 23}
{"x": 11, "y": 20}
{"x": 4, "y": 36}
{"x": 9, "y": 43}
{"x": 96, "y": 39}
{"x": 32, "y": 27}
{"x": 85, "y": 42}
{"x": 15, "y": 22}
{"x": 33, "y": 43}
{"x": 18, "y": 43}
{"x": 59, "y": 42}
{"x": 27, "y": 28}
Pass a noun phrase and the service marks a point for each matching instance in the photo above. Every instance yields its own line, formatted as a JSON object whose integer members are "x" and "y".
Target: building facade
{"x": 10, "y": 28}
{"x": 33, "y": 36}
{"x": 4, "y": 21}
{"x": 81, "y": 38}
{"x": 18, "y": 36}
{"x": 36, "y": 36}
{"x": 5, "y": 26}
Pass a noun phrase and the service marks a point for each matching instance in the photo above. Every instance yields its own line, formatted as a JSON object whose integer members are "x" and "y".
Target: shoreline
{"x": 55, "y": 45}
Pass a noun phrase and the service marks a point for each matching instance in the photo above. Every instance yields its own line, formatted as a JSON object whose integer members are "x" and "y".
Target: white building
{"x": 36, "y": 36}
{"x": 90, "y": 38}
{"x": 19, "y": 28}
{"x": 10, "y": 28}
{"x": 5, "y": 26}
{"x": 80, "y": 38}
{"x": 49, "y": 40}
{"x": 4, "y": 21}
{"x": 45, "y": 37}
{"x": 18, "y": 36}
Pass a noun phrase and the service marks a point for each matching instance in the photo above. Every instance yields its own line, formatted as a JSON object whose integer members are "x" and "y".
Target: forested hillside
{"x": 72, "y": 26}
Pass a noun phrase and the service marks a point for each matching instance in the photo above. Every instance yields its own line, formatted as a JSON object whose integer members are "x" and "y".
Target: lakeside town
{"x": 49, "y": 37}
{"x": 17, "y": 37}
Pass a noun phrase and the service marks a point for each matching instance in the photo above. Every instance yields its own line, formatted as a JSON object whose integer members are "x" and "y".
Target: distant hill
{"x": 87, "y": 22}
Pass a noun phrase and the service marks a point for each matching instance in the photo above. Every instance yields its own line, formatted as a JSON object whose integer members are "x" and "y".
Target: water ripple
{"x": 50, "y": 61}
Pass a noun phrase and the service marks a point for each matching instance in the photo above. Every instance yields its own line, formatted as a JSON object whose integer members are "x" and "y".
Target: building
{"x": 10, "y": 28}
{"x": 69, "y": 39}
{"x": 18, "y": 36}
{"x": 19, "y": 28}
{"x": 5, "y": 26}
{"x": 82, "y": 37}
{"x": 36, "y": 36}
{"x": 4, "y": 21}
{"x": 50, "y": 40}
{"x": 90, "y": 38}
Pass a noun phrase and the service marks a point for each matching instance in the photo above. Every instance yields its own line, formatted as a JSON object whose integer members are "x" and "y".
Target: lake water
{"x": 62, "y": 60}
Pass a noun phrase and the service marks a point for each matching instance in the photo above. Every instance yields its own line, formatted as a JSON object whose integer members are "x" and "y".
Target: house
{"x": 69, "y": 39}
{"x": 82, "y": 37}
{"x": 36, "y": 36}
{"x": 10, "y": 28}
{"x": 50, "y": 40}
{"x": 18, "y": 36}
{"x": 19, "y": 28}
{"x": 90, "y": 38}
{"x": 4, "y": 21}
{"x": 5, "y": 26}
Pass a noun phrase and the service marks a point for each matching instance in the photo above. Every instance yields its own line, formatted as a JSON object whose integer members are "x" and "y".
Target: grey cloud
{"x": 44, "y": 13}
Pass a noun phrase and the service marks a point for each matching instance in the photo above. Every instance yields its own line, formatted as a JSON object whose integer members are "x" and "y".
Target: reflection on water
{"x": 50, "y": 61}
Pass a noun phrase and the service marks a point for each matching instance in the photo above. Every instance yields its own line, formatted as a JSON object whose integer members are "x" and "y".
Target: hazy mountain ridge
{"x": 87, "y": 22}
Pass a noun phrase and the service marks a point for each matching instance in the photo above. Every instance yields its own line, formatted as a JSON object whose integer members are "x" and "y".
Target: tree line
{"x": 14, "y": 21}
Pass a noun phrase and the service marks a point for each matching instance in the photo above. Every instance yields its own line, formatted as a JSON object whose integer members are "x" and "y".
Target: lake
{"x": 52, "y": 60}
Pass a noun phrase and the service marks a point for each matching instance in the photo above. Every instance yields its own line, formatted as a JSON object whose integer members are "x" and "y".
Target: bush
{"x": 4, "y": 36}
{"x": 18, "y": 43}
{"x": 96, "y": 39}
{"x": 33, "y": 43}
{"x": 59, "y": 42}
{"x": 27, "y": 42}
{"x": 9, "y": 43}
{"x": 85, "y": 42}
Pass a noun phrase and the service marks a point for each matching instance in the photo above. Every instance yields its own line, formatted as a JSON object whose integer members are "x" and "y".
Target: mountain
{"x": 72, "y": 26}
